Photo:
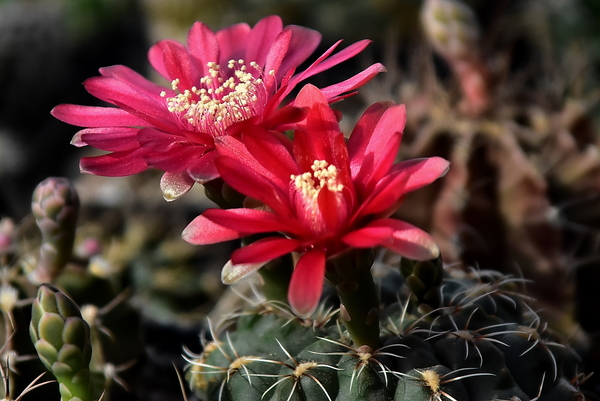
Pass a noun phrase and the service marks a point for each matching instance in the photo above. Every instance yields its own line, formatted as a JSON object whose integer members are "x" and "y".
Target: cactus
{"x": 62, "y": 339}
{"x": 479, "y": 339}
{"x": 55, "y": 206}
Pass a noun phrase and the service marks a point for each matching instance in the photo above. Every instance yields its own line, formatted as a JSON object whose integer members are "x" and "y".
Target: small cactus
{"x": 55, "y": 206}
{"x": 62, "y": 340}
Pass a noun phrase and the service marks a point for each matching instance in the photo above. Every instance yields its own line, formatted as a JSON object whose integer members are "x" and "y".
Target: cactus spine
{"x": 446, "y": 334}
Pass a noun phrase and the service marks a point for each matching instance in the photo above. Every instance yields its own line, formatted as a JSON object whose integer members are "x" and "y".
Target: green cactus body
{"x": 476, "y": 340}
{"x": 62, "y": 340}
{"x": 55, "y": 205}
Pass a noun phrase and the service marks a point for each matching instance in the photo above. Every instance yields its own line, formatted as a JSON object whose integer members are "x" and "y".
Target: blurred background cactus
{"x": 506, "y": 90}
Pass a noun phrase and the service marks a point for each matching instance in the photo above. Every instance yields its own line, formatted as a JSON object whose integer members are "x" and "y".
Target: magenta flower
{"x": 221, "y": 83}
{"x": 321, "y": 195}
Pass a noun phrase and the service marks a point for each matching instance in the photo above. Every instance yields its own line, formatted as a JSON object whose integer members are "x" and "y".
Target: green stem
{"x": 359, "y": 308}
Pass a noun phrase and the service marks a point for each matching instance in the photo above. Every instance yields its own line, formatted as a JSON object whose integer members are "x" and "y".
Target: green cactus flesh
{"x": 477, "y": 340}
{"x": 62, "y": 340}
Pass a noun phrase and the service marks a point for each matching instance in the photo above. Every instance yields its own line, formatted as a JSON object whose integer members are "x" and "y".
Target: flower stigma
{"x": 224, "y": 97}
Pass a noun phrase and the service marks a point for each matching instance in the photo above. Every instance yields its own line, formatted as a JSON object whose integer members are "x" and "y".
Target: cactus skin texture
{"x": 55, "y": 205}
{"x": 62, "y": 340}
{"x": 477, "y": 340}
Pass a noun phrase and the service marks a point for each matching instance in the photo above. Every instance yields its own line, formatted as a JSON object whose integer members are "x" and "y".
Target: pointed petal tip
{"x": 204, "y": 231}
{"x": 420, "y": 247}
{"x": 378, "y": 67}
{"x": 175, "y": 185}
{"x": 430, "y": 252}
{"x": 77, "y": 141}
{"x": 303, "y": 314}
{"x": 230, "y": 274}
{"x": 186, "y": 235}
{"x": 447, "y": 166}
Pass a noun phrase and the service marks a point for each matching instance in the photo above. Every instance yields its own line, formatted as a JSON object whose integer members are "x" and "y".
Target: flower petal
{"x": 111, "y": 139}
{"x": 284, "y": 118}
{"x": 176, "y": 158}
{"x": 261, "y": 38}
{"x": 277, "y": 52}
{"x": 264, "y": 250}
{"x": 306, "y": 285}
{"x": 127, "y": 75}
{"x": 251, "y": 221}
{"x": 396, "y": 235}
{"x": 334, "y": 210}
{"x": 310, "y": 95}
{"x": 174, "y": 185}
{"x": 203, "y": 231}
{"x": 352, "y": 83}
{"x": 318, "y": 136}
{"x": 254, "y": 185}
{"x": 268, "y": 167}
{"x": 273, "y": 154}
{"x": 203, "y": 168}
{"x": 405, "y": 176}
{"x": 155, "y": 57}
{"x": 324, "y": 63}
{"x": 203, "y": 46}
{"x": 117, "y": 164}
{"x": 374, "y": 144}
{"x": 232, "y": 273}
{"x": 360, "y": 136}
{"x": 179, "y": 66}
{"x": 91, "y": 116}
{"x": 151, "y": 109}
{"x": 421, "y": 172}
{"x": 304, "y": 42}
{"x": 232, "y": 42}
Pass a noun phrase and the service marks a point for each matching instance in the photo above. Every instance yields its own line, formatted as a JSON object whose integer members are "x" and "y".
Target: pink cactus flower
{"x": 221, "y": 83}
{"x": 320, "y": 194}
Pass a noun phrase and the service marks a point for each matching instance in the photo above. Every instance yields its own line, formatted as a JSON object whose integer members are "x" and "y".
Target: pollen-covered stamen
{"x": 307, "y": 187}
{"x": 323, "y": 175}
{"x": 223, "y": 97}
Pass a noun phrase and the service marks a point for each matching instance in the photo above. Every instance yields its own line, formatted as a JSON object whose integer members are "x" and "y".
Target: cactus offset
{"x": 62, "y": 339}
{"x": 55, "y": 206}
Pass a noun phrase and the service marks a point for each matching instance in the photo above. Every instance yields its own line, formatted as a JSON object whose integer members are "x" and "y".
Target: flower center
{"x": 224, "y": 97}
{"x": 308, "y": 186}
{"x": 323, "y": 175}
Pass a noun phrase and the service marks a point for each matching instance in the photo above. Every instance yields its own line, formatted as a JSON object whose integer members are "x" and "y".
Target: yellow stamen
{"x": 222, "y": 98}
{"x": 323, "y": 175}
